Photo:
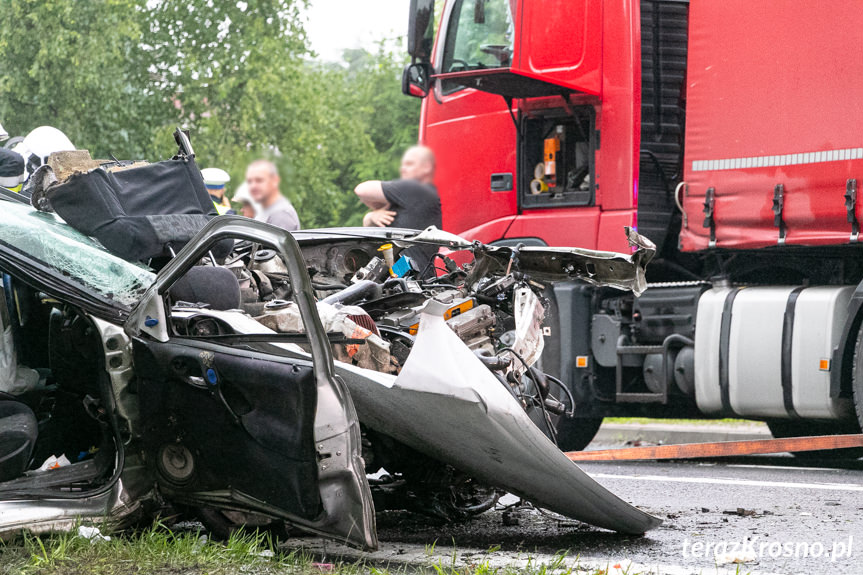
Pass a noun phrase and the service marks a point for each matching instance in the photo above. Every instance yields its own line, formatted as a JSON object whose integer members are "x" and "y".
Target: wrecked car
{"x": 235, "y": 372}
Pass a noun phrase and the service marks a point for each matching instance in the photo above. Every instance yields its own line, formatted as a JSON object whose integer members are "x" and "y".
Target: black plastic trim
{"x": 724, "y": 349}
{"x": 787, "y": 337}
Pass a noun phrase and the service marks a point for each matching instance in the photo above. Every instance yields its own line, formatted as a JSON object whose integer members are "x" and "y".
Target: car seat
{"x": 18, "y": 432}
{"x": 215, "y": 286}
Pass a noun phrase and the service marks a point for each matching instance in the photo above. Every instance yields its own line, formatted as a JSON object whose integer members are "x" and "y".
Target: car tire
{"x": 577, "y": 433}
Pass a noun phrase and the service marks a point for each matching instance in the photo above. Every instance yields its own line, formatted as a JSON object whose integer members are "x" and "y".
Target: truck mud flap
{"x": 446, "y": 404}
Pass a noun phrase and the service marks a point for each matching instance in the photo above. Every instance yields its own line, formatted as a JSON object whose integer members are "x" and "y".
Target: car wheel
{"x": 576, "y": 434}
{"x": 783, "y": 428}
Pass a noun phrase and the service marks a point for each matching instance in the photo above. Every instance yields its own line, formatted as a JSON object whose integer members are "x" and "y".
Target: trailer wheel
{"x": 784, "y": 428}
{"x": 576, "y": 434}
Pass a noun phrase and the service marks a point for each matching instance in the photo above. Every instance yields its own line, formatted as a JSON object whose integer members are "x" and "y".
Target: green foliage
{"x": 64, "y": 63}
{"x": 118, "y": 75}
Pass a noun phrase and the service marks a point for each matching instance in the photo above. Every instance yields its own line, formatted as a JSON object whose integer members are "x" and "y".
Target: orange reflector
{"x": 824, "y": 365}
{"x": 581, "y": 361}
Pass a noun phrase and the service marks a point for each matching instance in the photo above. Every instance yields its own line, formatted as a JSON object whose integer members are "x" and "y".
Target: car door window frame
{"x": 340, "y": 447}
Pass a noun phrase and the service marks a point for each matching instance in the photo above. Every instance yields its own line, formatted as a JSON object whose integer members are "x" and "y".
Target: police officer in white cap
{"x": 215, "y": 180}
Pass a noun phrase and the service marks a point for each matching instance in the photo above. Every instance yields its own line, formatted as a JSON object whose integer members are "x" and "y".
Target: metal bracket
{"x": 778, "y": 207}
{"x": 851, "y": 208}
{"x": 709, "y": 208}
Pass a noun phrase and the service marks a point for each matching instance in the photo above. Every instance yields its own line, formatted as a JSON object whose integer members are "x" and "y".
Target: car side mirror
{"x": 421, "y": 29}
{"x": 416, "y": 80}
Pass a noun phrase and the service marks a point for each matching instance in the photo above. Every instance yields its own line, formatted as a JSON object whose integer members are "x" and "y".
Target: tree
{"x": 241, "y": 79}
{"x": 65, "y": 63}
{"x": 119, "y": 75}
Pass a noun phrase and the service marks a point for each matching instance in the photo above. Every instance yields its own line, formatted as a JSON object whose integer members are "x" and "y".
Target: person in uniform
{"x": 12, "y": 169}
{"x": 216, "y": 179}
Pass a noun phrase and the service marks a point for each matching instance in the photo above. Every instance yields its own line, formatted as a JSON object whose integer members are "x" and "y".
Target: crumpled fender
{"x": 446, "y": 404}
{"x": 553, "y": 264}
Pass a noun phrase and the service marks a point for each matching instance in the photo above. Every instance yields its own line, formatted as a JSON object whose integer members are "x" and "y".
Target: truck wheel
{"x": 857, "y": 379}
{"x": 576, "y": 434}
{"x": 783, "y": 428}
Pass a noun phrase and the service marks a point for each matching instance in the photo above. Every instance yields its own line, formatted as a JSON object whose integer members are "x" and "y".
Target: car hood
{"x": 456, "y": 411}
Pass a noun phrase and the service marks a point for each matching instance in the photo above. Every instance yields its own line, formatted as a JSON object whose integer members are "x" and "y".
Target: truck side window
{"x": 479, "y": 35}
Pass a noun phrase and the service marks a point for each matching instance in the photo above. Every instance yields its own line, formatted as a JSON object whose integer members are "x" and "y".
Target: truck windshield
{"x": 479, "y": 35}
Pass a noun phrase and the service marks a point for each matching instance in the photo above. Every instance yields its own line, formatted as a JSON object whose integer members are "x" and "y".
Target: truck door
{"x": 491, "y": 57}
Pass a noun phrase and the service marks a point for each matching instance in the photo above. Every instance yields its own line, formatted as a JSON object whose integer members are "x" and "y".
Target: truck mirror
{"x": 416, "y": 80}
{"x": 421, "y": 29}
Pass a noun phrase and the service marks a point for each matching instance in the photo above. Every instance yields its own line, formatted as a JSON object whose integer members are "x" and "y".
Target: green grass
{"x": 156, "y": 550}
{"x": 160, "y": 551}
{"x": 647, "y": 420}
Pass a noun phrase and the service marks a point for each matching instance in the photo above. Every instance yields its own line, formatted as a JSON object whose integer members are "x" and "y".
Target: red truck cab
{"x": 511, "y": 74}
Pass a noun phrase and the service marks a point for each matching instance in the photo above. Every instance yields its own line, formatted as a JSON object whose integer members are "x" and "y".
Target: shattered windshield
{"x": 82, "y": 261}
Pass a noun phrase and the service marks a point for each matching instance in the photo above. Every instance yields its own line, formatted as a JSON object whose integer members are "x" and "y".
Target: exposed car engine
{"x": 497, "y": 312}
{"x": 370, "y": 297}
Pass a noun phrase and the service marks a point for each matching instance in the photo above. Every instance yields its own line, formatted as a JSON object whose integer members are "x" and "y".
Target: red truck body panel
{"x": 473, "y": 137}
{"x": 772, "y": 98}
{"x": 561, "y": 42}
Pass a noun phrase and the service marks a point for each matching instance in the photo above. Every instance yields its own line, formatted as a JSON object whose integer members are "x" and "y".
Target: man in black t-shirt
{"x": 411, "y": 202}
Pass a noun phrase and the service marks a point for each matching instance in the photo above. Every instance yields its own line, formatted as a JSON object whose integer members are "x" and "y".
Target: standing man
{"x": 262, "y": 177}
{"x": 215, "y": 179}
{"x": 411, "y": 202}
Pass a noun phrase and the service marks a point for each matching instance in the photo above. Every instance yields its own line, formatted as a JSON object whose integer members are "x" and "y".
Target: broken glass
{"x": 81, "y": 260}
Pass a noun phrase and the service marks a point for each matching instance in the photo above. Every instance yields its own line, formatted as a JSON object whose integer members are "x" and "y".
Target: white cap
{"x": 242, "y": 194}
{"x": 45, "y": 140}
{"x": 215, "y": 177}
{"x": 41, "y": 143}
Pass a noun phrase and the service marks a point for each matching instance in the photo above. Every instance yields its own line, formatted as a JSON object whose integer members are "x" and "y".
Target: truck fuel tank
{"x": 764, "y": 352}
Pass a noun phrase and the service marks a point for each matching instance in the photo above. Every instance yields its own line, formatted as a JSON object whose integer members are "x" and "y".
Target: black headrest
{"x": 215, "y": 286}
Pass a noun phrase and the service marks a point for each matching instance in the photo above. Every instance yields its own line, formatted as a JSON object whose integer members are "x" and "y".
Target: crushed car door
{"x": 244, "y": 427}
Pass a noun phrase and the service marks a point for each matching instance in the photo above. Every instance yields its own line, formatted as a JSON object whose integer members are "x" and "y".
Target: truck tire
{"x": 576, "y": 434}
{"x": 784, "y": 428}
{"x": 857, "y": 380}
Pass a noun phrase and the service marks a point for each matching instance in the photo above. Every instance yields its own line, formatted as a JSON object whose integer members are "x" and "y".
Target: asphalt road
{"x": 796, "y": 519}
